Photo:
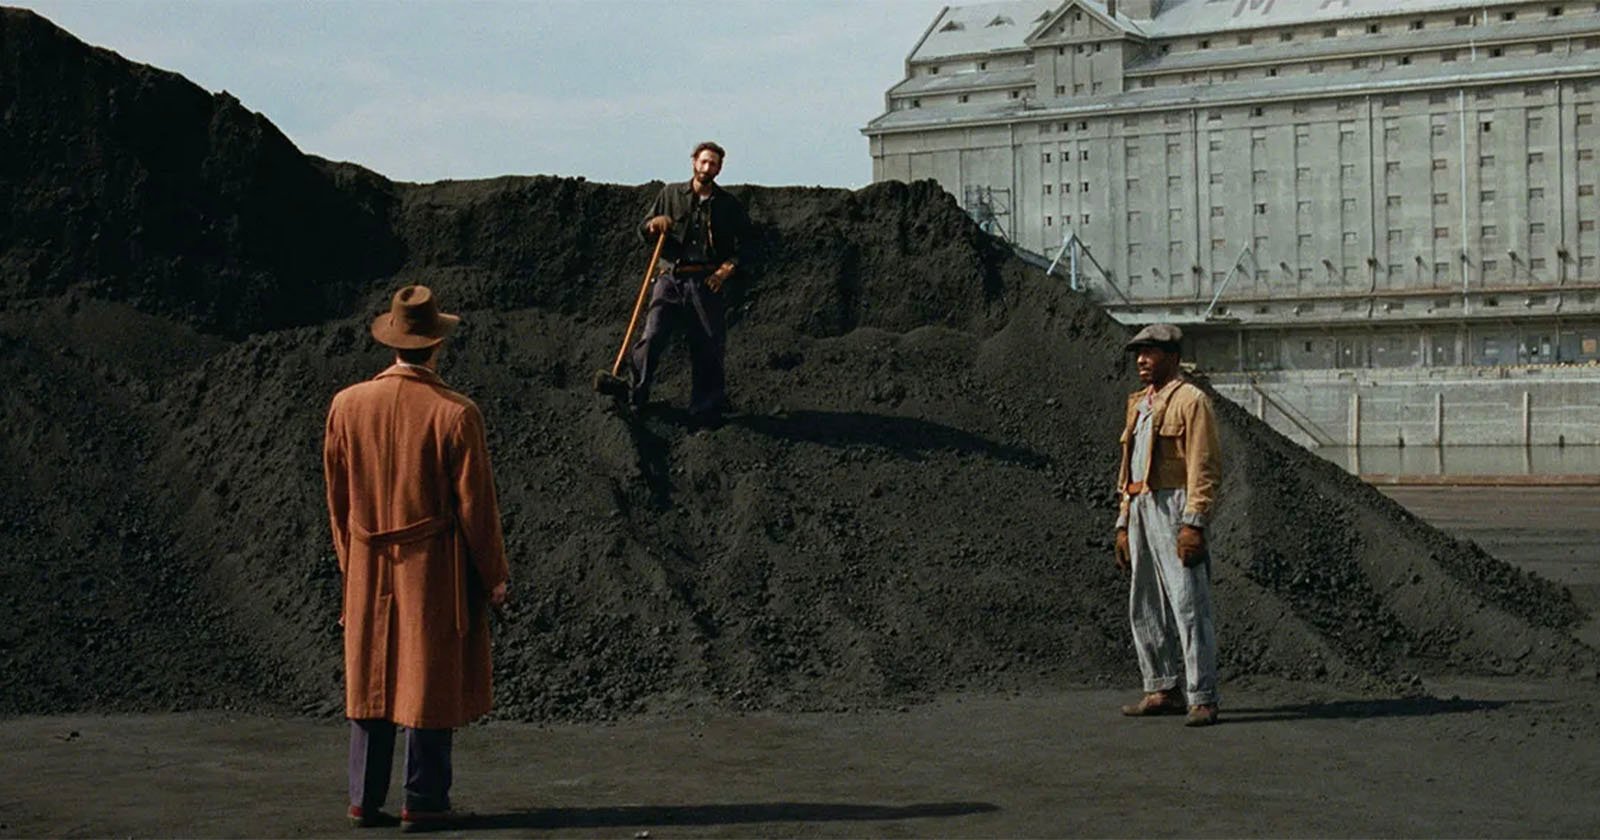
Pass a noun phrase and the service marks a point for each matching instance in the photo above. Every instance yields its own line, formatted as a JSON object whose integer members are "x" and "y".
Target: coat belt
{"x": 415, "y": 532}
{"x": 418, "y": 531}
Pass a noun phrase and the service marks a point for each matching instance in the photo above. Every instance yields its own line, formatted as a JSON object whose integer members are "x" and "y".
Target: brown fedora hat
{"x": 413, "y": 320}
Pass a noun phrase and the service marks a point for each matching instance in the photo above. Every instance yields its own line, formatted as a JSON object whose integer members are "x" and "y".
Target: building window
{"x": 1217, "y": 212}
{"x": 1535, "y": 158}
{"x": 1585, "y": 119}
{"x": 1049, "y": 221}
{"x": 1486, "y": 161}
{"x": 1046, "y": 157}
{"x": 1285, "y": 36}
{"x": 1536, "y": 194}
{"x": 1447, "y": 56}
{"x": 1536, "y": 229}
{"x": 1261, "y": 209}
{"x": 1258, "y": 176}
{"x": 1441, "y": 233}
{"x": 962, "y": 98}
{"x": 1438, "y": 164}
{"x": 1083, "y": 186}
{"x": 1416, "y": 24}
{"x": 1536, "y": 264}
{"x": 1084, "y": 219}
{"x": 1586, "y": 189}
{"x": 1216, "y": 177}
{"x": 1392, "y": 201}
{"x": 1486, "y": 196}
{"x": 1490, "y": 232}
{"x": 1302, "y": 173}
{"x": 1061, "y": 90}
{"x": 1048, "y": 188}
{"x": 1066, "y": 187}
{"x": 1486, "y": 126}
{"x": 1586, "y": 154}
{"x": 1440, "y": 198}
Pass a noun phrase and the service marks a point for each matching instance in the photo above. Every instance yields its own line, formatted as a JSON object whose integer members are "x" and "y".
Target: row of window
{"x": 1444, "y": 56}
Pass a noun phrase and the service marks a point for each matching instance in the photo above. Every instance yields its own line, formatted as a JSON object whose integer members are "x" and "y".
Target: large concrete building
{"x": 1309, "y": 184}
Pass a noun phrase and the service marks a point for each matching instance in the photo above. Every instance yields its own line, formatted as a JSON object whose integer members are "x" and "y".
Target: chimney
{"x": 1111, "y": 8}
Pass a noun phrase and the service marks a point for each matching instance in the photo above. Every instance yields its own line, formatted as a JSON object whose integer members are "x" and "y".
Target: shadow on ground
{"x": 1360, "y": 709}
{"x": 907, "y": 437}
{"x": 729, "y": 814}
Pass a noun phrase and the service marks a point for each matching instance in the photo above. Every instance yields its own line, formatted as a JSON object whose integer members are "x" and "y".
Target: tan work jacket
{"x": 1184, "y": 451}
{"x": 417, "y": 529}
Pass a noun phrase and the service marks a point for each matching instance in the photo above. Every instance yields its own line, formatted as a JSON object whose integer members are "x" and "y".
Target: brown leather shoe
{"x": 1155, "y": 703}
{"x": 1202, "y": 715}
{"x": 417, "y": 821}
{"x": 370, "y": 818}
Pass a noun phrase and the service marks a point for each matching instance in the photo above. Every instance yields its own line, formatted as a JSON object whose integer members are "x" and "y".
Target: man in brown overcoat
{"x": 417, "y": 531}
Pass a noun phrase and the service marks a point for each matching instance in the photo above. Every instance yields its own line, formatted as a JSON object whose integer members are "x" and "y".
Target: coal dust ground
{"x": 912, "y": 501}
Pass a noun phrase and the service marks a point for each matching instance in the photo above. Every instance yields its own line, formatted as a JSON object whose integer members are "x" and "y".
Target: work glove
{"x": 718, "y": 277}
{"x": 658, "y": 225}
{"x": 1124, "y": 554}
{"x": 1191, "y": 545}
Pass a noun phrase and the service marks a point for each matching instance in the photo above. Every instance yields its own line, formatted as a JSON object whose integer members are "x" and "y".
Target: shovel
{"x": 610, "y": 382}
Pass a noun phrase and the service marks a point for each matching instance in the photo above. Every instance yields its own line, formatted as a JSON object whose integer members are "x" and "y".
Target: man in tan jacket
{"x": 417, "y": 531}
{"x": 1171, "y": 465}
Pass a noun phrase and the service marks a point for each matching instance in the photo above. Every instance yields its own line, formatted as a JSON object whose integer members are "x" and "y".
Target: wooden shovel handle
{"x": 638, "y": 304}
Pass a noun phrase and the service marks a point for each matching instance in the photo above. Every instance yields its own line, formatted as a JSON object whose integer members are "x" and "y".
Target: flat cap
{"x": 1161, "y": 336}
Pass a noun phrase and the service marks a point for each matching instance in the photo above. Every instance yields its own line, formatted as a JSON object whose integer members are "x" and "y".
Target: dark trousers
{"x": 684, "y": 297}
{"x": 427, "y": 767}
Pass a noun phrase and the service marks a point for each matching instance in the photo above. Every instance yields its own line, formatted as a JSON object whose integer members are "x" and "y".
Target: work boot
{"x": 1204, "y": 714}
{"x": 1155, "y": 703}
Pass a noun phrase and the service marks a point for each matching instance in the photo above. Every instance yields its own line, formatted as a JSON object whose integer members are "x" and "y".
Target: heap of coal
{"x": 914, "y": 498}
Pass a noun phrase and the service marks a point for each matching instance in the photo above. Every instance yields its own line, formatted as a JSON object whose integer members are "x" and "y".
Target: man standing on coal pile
{"x": 707, "y": 232}
{"x": 1171, "y": 465}
{"x": 416, "y": 527}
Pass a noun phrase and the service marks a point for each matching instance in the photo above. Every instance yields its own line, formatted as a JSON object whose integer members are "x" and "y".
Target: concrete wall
{"x": 1502, "y": 406}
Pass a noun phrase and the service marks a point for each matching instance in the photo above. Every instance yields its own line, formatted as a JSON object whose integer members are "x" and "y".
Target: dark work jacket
{"x": 725, "y": 239}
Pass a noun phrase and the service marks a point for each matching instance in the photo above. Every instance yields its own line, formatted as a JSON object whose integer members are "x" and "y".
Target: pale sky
{"x": 616, "y": 91}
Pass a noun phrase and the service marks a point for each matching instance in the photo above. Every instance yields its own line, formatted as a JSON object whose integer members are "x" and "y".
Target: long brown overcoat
{"x": 417, "y": 530}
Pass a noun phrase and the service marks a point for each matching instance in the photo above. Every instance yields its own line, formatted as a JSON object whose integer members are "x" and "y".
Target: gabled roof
{"x": 1095, "y": 9}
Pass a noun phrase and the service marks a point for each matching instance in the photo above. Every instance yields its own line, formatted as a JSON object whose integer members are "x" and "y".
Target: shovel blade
{"x": 606, "y": 383}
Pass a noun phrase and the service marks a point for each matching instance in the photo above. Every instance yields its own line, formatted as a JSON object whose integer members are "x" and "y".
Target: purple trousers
{"x": 684, "y": 298}
{"x": 427, "y": 767}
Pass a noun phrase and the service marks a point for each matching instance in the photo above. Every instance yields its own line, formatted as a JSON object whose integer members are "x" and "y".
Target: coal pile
{"x": 915, "y": 496}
